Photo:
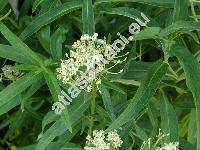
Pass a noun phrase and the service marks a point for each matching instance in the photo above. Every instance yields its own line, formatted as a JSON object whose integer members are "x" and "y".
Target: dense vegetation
{"x": 158, "y": 90}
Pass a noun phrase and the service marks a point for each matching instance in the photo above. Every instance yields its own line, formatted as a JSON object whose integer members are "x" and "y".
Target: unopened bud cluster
{"x": 10, "y": 73}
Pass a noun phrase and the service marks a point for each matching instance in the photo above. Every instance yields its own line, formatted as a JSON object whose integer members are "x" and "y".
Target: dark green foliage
{"x": 158, "y": 89}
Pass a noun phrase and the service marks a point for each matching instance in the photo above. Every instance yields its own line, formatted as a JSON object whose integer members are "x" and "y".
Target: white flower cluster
{"x": 9, "y": 73}
{"x": 170, "y": 146}
{"x": 86, "y": 53}
{"x": 88, "y": 61}
{"x": 157, "y": 145}
{"x": 100, "y": 142}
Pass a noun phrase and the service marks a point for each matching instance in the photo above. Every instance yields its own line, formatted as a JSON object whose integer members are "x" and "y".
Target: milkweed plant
{"x": 99, "y": 75}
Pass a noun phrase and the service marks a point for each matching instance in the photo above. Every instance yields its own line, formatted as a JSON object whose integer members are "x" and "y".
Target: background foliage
{"x": 159, "y": 87}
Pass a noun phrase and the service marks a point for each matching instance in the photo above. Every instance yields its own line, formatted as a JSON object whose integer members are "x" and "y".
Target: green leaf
{"x": 127, "y": 12}
{"x": 196, "y": 16}
{"x": 24, "y": 96}
{"x": 5, "y": 16}
{"x": 169, "y": 120}
{"x": 112, "y": 86}
{"x": 16, "y": 121}
{"x": 3, "y": 3}
{"x": 48, "y": 5}
{"x": 88, "y": 17}
{"x": 163, "y": 3}
{"x": 192, "y": 127}
{"x": 192, "y": 71}
{"x": 15, "y": 88}
{"x": 186, "y": 145}
{"x": 36, "y": 4}
{"x": 55, "y": 145}
{"x": 180, "y": 26}
{"x": 52, "y": 84}
{"x": 147, "y": 33}
{"x": 14, "y": 54}
{"x": 55, "y": 90}
{"x": 18, "y": 44}
{"x": 107, "y": 101}
{"x": 140, "y": 133}
{"x": 49, "y": 17}
{"x": 44, "y": 38}
{"x": 48, "y": 118}
{"x": 57, "y": 40}
{"x": 58, "y": 127}
{"x": 180, "y": 10}
{"x": 9, "y": 105}
{"x": 127, "y": 82}
{"x": 144, "y": 93}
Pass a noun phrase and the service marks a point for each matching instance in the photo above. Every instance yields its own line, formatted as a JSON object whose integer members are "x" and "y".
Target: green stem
{"x": 13, "y": 23}
{"x": 140, "y": 55}
{"x": 93, "y": 106}
{"x": 173, "y": 72}
{"x": 193, "y": 10}
{"x": 166, "y": 60}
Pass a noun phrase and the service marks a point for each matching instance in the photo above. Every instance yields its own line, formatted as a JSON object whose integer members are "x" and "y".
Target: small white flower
{"x": 99, "y": 141}
{"x": 98, "y": 81}
{"x": 89, "y": 88}
{"x": 114, "y": 139}
{"x": 89, "y": 140}
{"x": 82, "y": 58}
{"x": 89, "y": 55}
{"x": 171, "y": 146}
{"x": 90, "y": 148}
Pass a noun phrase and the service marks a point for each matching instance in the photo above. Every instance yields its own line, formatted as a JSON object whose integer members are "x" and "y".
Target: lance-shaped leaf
{"x": 14, "y": 54}
{"x": 128, "y": 12}
{"x": 15, "y": 88}
{"x": 18, "y": 44}
{"x": 58, "y": 127}
{"x": 169, "y": 120}
{"x": 88, "y": 17}
{"x": 146, "y": 90}
{"x": 36, "y": 4}
{"x": 50, "y": 16}
{"x": 180, "y": 10}
{"x": 28, "y": 93}
{"x": 57, "y": 40}
{"x": 107, "y": 101}
{"x": 180, "y": 27}
{"x": 3, "y": 3}
{"x": 55, "y": 90}
{"x": 192, "y": 72}
{"x": 161, "y": 3}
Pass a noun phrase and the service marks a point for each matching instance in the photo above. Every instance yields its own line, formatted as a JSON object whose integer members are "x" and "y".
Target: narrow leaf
{"x": 18, "y": 44}
{"x": 107, "y": 101}
{"x": 49, "y": 16}
{"x": 144, "y": 93}
{"x": 88, "y": 17}
{"x": 192, "y": 71}
{"x": 180, "y": 10}
{"x": 169, "y": 120}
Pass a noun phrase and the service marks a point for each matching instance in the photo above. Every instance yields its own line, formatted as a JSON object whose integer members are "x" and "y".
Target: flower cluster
{"x": 170, "y": 146}
{"x": 86, "y": 53}
{"x": 149, "y": 144}
{"x": 101, "y": 142}
{"x": 9, "y": 73}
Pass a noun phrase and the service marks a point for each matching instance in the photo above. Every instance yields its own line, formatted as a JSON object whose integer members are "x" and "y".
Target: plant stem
{"x": 93, "y": 106}
{"x": 166, "y": 60}
{"x": 193, "y": 10}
